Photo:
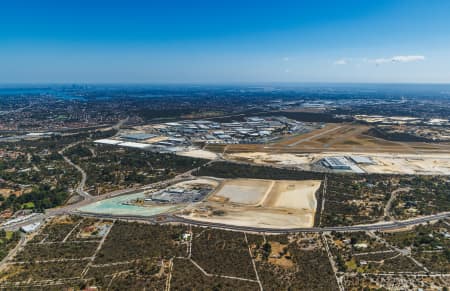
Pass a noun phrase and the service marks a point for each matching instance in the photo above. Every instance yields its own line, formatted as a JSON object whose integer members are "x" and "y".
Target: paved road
{"x": 73, "y": 208}
{"x": 80, "y": 186}
{"x": 169, "y": 218}
{"x": 387, "y": 208}
{"x": 373, "y": 227}
{"x": 119, "y": 124}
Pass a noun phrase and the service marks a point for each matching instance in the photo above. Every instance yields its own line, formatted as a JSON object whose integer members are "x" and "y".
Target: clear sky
{"x": 224, "y": 41}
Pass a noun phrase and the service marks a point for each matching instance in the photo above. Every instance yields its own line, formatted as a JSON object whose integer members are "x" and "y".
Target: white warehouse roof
{"x": 137, "y": 145}
{"x": 361, "y": 160}
{"x": 108, "y": 141}
{"x": 30, "y": 227}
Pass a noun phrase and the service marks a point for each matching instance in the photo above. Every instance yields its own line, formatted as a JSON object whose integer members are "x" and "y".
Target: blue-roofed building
{"x": 138, "y": 136}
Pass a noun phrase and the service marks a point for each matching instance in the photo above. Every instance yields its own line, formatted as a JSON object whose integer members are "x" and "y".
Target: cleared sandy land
{"x": 243, "y": 191}
{"x": 267, "y": 158}
{"x": 202, "y": 154}
{"x": 293, "y": 195}
{"x": 384, "y": 163}
{"x": 410, "y": 164}
{"x": 259, "y": 203}
{"x": 258, "y": 217}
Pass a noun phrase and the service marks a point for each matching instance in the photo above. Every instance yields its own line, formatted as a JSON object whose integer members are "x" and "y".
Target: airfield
{"x": 279, "y": 204}
{"x": 305, "y": 152}
{"x": 343, "y": 137}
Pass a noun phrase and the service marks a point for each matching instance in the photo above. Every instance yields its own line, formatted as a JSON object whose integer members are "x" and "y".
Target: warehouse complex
{"x": 180, "y": 135}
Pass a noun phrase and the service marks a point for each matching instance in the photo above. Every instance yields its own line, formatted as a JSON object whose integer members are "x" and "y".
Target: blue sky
{"x": 229, "y": 41}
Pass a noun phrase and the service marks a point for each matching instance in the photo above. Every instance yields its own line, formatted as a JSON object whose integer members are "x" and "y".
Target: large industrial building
{"x": 138, "y": 136}
{"x": 336, "y": 163}
{"x": 178, "y": 136}
{"x": 345, "y": 164}
{"x": 361, "y": 160}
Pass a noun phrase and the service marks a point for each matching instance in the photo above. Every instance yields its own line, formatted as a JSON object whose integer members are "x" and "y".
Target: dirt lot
{"x": 410, "y": 164}
{"x": 271, "y": 159}
{"x": 259, "y": 203}
{"x": 6, "y": 192}
{"x": 202, "y": 154}
{"x": 256, "y": 217}
{"x": 242, "y": 191}
{"x": 384, "y": 163}
{"x": 298, "y": 195}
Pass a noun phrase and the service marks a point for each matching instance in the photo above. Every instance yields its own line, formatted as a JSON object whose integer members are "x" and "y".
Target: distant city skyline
{"x": 225, "y": 41}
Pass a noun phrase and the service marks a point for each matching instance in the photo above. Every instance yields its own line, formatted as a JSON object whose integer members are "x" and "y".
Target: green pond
{"x": 116, "y": 206}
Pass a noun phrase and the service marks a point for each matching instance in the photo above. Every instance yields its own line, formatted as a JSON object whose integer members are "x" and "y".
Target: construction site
{"x": 370, "y": 163}
{"x": 183, "y": 192}
{"x": 259, "y": 203}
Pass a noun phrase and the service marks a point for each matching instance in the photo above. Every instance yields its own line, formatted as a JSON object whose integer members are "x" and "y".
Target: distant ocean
{"x": 39, "y": 91}
{"x": 84, "y": 92}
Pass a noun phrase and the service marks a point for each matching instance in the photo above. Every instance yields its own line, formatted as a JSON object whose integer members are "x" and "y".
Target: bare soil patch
{"x": 243, "y": 191}
{"x": 293, "y": 194}
{"x": 201, "y": 154}
{"x": 259, "y": 203}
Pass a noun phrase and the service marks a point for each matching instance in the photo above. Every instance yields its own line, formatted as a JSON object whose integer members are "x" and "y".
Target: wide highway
{"x": 170, "y": 218}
